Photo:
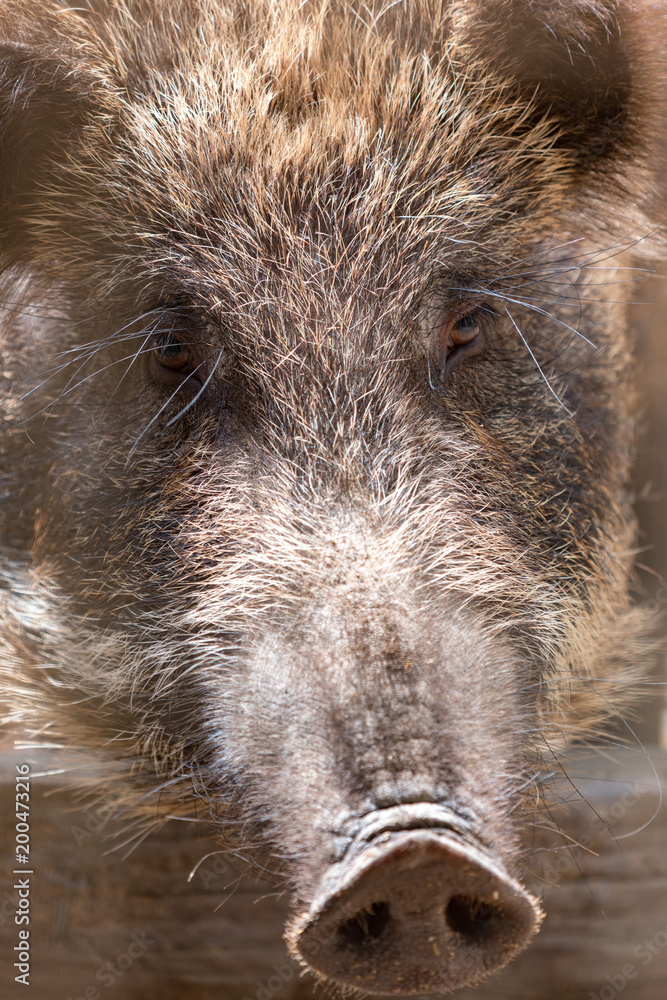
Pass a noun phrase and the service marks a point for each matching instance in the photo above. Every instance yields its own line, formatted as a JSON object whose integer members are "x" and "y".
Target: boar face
{"x": 316, "y": 428}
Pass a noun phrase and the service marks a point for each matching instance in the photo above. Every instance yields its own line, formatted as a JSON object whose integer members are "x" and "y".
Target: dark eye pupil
{"x": 468, "y": 323}
{"x": 169, "y": 348}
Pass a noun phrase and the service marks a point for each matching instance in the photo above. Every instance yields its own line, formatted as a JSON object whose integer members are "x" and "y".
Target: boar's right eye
{"x": 175, "y": 359}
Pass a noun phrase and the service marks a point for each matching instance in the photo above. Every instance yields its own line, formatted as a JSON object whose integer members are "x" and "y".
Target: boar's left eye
{"x": 466, "y": 329}
{"x": 458, "y": 338}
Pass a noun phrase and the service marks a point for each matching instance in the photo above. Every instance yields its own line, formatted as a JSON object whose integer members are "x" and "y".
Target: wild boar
{"x": 316, "y": 428}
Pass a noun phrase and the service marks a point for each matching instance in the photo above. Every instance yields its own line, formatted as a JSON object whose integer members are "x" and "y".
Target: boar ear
{"x": 586, "y": 68}
{"x": 45, "y": 105}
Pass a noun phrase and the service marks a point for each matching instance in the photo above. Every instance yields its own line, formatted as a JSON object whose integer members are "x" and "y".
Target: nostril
{"x": 474, "y": 919}
{"x": 365, "y": 927}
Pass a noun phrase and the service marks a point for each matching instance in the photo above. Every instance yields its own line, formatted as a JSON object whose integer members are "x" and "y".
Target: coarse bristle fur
{"x": 206, "y": 576}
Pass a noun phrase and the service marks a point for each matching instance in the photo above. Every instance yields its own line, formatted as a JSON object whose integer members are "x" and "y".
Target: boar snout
{"x": 399, "y": 762}
{"x": 415, "y": 910}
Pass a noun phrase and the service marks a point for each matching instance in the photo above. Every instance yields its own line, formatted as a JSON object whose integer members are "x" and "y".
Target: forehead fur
{"x": 419, "y": 125}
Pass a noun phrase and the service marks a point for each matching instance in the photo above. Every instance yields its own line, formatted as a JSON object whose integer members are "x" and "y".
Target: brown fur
{"x": 305, "y": 191}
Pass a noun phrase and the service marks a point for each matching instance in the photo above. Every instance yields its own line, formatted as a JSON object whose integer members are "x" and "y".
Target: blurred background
{"x": 649, "y": 319}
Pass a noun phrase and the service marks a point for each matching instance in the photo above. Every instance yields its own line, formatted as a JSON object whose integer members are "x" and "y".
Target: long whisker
{"x": 540, "y": 311}
{"x": 546, "y": 380}
{"x": 160, "y": 411}
{"x": 203, "y": 387}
